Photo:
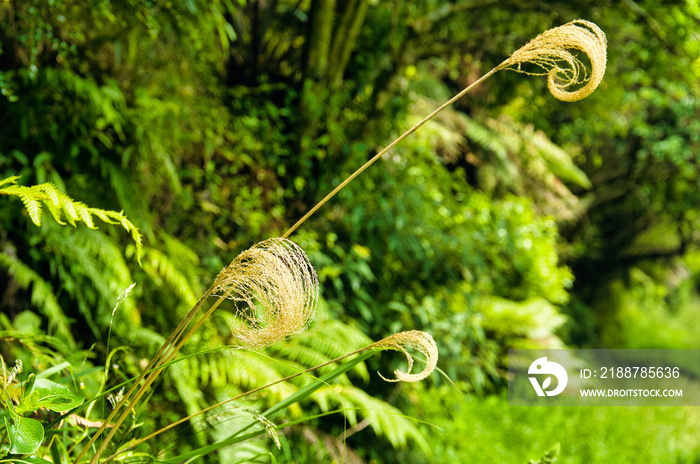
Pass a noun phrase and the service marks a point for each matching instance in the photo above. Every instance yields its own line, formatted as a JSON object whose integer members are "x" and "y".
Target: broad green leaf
{"x": 25, "y": 436}
{"x": 50, "y": 395}
{"x": 31, "y": 460}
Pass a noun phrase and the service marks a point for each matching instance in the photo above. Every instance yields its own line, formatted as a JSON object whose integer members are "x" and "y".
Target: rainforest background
{"x": 510, "y": 220}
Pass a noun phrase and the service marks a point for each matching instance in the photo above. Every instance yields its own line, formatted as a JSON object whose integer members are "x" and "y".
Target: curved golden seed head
{"x": 551, "y": 52}
{"x": 417, "y": 340}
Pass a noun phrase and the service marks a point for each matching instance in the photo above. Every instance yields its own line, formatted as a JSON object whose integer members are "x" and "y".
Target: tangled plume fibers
{"x": 417, "y": 340}
{"x": 275, "y": 290}
{"x": 550, "y": 52}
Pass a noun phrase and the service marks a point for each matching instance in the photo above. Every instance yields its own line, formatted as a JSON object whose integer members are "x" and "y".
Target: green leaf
{"x": 29, "y": 384}
{"x": 25, "y": 436}
{"x": 31, "y": 460}
{"x": 50, "y": 395}
{"x": 52, "y": 370}
{"x": 34, "y": 209}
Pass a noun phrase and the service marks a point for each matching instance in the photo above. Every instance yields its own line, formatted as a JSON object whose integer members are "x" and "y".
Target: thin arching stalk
{"x": 362, "y": 168}
{"x": 546, "y": 51}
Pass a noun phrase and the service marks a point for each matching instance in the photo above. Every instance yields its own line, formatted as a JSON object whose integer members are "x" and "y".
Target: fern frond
{"x": 558, "y": 160}
{"x": 56, "y": 213}
{"x": 58, "y": 202}
{"x": 42, "y": 295}
{"x": 334, "y": 338}
{"x": 252, "y": 371}
{"x": 52, "y": 192}
{"x": 299, "y": 354}
{"x": 161, "y": 268}
{"x": 45, "y": 350}
{"x": 94, "y": 271}
{"x": 33, "y": 208}
{"x": 9, "y": 180}
{"x": 385, "y": 419}
{"x": 522, "y": 321}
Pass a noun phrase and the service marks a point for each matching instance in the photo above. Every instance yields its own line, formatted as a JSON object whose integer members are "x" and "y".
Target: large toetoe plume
{"x": 275, "y": 290}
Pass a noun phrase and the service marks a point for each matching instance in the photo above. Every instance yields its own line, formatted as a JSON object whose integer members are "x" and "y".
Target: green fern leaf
{"x": 85, "y": 215}
{"x": 95, "y": 265}
{"x": 383, "y": 418}
{"x": 104, "y": 216}
{"x": 163, "y": 270}
{"x": 33, "y": 208}
{"x": 56, "y": 213}
{"x": 42, "y": 295}
{"x": 53, "y": 193}
{"x": 59, "y": 205}
{"x": 69, "y": 207}
{"x": 9, "y": 180}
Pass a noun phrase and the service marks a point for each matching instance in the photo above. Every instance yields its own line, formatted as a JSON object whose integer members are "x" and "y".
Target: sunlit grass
{"x": 488, "y": 430}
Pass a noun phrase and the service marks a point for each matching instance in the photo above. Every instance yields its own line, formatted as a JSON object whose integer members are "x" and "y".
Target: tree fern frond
{"x": 94, "y": 271}
{"x": 334, "y": 338}
{"x": 164, "y": 271}
{"x": 58, "y": 202}
{"x": 45, "y": 349}
{"x": 522, "y": 321}
{"x": 183, "y": 374}
{"x": 85, "y": 216}
{"x": 303, "y": 355}
{"x": 69, "y": 207}
{"x": 558, "y": 160}
{"x": 251, "y": 370}
{"x": 516, "y": 156}
{"x": 144, "y": 337}
{"x": 385, "y": 419}
{"x": 104, "y": 217}
{"x": 42, "y": 296}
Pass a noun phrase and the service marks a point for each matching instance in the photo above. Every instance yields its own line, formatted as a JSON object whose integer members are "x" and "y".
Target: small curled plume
{"x": 415, "y": 340}
{"x": 275, "y": 289}
{"x": 550, "y": 51}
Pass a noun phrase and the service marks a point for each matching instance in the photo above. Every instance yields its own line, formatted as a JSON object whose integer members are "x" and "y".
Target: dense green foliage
{"x": 511, "y": 220}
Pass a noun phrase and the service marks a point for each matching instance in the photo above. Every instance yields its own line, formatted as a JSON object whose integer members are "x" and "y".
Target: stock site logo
{"x": 542, "y": 366}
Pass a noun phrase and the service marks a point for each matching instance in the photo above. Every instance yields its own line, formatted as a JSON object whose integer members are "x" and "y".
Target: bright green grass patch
{"x": 487, "y": 430}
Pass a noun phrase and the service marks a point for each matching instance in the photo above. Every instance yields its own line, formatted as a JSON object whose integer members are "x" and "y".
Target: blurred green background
{"x": 511, "y": 220}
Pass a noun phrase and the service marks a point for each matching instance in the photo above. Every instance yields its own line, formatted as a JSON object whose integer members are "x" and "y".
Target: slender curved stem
{"x": 386, "y": 149}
